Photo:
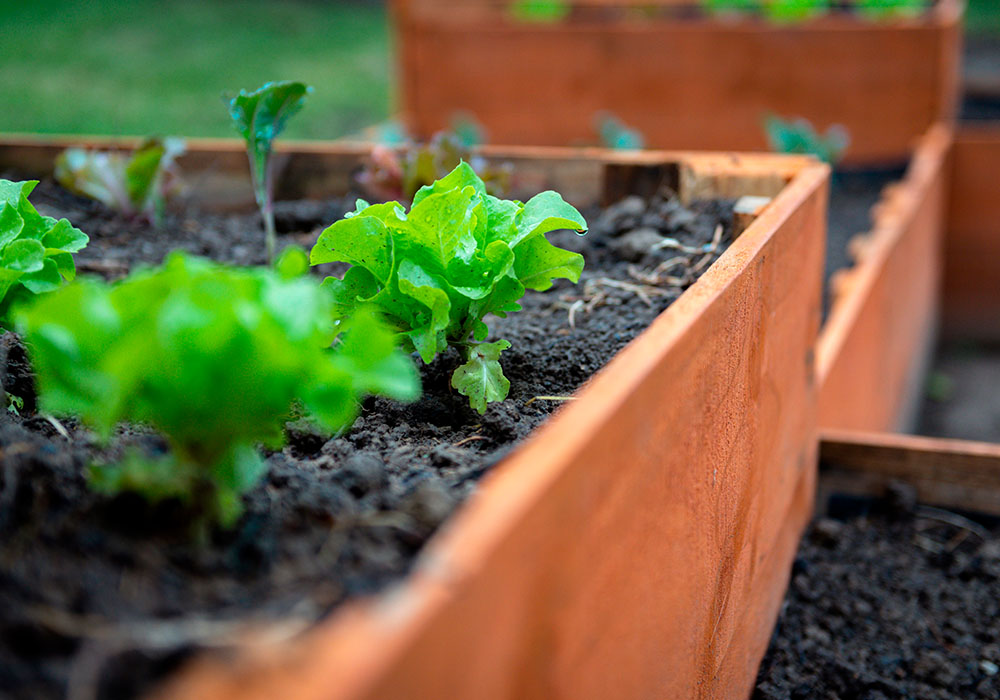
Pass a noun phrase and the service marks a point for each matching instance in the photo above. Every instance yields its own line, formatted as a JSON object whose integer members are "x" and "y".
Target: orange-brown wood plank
{"x": 698, "y": 84}
{"x": 950, "y": 473}
{"x": 874, "y": 346}
{"x": 639, "y": 544}
{"x": 971, "y": 297}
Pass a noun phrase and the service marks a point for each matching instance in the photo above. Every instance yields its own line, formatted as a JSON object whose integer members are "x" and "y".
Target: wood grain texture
{"x": 948, "y": 473}
{"x": 697, "y": 83}
{"x": 875, "y": 343}
{"x": 971, "y": 295}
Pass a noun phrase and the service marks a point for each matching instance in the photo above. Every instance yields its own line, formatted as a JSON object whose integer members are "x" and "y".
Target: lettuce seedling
{"x": 398, "y": 175}
{"x": 259, "y": 117}
{"x": 213, "y": 357}
{"x": 799, "y": 136}
{"x": 436, "y": 272}
{"x": 543, "y": 11}
{"x": 729, "y": 7}
{"x": 135, "y": 183}
{"x": 36, "y": 252}
{"x": 783, "y": 11}
{"x": 617, "y": 135}
{"x": 883, "y": 9}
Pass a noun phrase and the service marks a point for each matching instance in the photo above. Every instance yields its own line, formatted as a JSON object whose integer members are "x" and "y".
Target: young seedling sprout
{"x": 436, "y": 272}
{"x": 260, "y": 116}
{"x": 800, "y": 136}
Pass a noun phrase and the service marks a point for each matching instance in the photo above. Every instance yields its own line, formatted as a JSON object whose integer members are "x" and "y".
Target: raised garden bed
{"x": 895, "y": 587}
{"x": 929, "y": 259}
{"x": 875, "y": 343}
{"x": 640, "y": 540}
{"x": 685, "y": 80}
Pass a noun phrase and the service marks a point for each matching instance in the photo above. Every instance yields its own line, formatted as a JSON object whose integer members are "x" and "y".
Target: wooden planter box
{"x": 970, "y": 301}
{"x": 640, "y": 542}
{"x": 932, "y": 259}
{"x": 876, "y": 342}
{"x": 684, "y": 83}
{"x": 949, "y": 473}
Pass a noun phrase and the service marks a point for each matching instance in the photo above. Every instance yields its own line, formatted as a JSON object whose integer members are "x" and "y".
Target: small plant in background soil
{"x": 393, "y": 174}
{"x": 260, "y": 116}
{"x": 800, "y": 136}
{"x": 784, "y": 11}
{"x": 886, "y": 9}
{"x": 616, "y": 134}
{"x": 539, "y": 11}
{"x": 36, "y": 252}
{"x": 435, "y": 273}
{"x": 136, "y": 183}
{"x": 214, "y": 357}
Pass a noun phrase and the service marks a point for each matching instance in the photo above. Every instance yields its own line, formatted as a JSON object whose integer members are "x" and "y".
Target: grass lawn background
{"x": 143, "y": 67}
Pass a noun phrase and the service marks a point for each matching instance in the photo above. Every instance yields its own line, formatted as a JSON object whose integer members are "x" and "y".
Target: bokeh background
{"x": 159, "y": 66}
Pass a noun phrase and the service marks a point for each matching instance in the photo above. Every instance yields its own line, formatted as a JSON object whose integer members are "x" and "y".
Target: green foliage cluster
{"x": 786, "y": 11}
{"x": 800, "y": 136}
{"x": 883, "y": 9}
{"x": 136, "y": 183}
{"x": 392, "y": 174}
{"x": 539, "y": 11}
{"x": 214, "y": 357}
{"x": 259, "y": 117}
{"x": 435, "y": 273}
{"x": 36, "y": 252}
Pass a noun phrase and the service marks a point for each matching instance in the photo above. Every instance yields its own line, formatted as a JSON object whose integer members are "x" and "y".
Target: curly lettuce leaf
{"x": 36, "y": 252}
{"x": 215, "y": 358}
{"x": 434, "y": 273}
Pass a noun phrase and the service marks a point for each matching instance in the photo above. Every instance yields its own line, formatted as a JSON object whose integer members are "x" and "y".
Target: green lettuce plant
{"x": 214, "y": 357}
{"x": 729, "y": 7}
{"x": 800, "y": 136}
{"x": 539, "y": 11}
{"x": 260, "y": 116}
{"x": 783, "y": 11}
{"x": 36, "y": 252}
{"x": 398, "y": 174}
{"x": 436, "y": 272}
{"x": 132, "y": 183}
{"x": 616, "y": 134}
{"x": 884, "y": 9}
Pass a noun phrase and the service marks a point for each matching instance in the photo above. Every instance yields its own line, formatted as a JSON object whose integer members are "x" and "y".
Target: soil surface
{"x": 961, "y": 397}
{"x": 981, "y": 72}
{"x": 109, "y": 594}
{"x": 853, "y": 193}
{"x": 894, "y": 601}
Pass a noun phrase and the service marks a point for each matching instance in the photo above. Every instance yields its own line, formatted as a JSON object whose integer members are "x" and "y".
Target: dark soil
{"x": 961, "y": 397}
{"x": 853, "y": 193}
{"x": 104, "y": 590}
{"x": 894, "y": 601}
{"x": 981, "y": 71}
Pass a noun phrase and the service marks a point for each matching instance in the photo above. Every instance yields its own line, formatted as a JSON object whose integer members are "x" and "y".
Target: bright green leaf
{"x": 481, "y": 377}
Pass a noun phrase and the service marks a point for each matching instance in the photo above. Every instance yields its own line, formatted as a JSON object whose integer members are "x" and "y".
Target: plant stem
{"x": 270, "y": 235}
{"x": 260, "y": 170}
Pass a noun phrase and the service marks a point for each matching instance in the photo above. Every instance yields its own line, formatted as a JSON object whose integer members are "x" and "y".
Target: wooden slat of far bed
{"x": 949, "y": 473}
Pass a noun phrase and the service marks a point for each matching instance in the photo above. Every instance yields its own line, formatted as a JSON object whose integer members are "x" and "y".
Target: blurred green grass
{"x": 143, "y": 67}
{"x": 983, "y": 17}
